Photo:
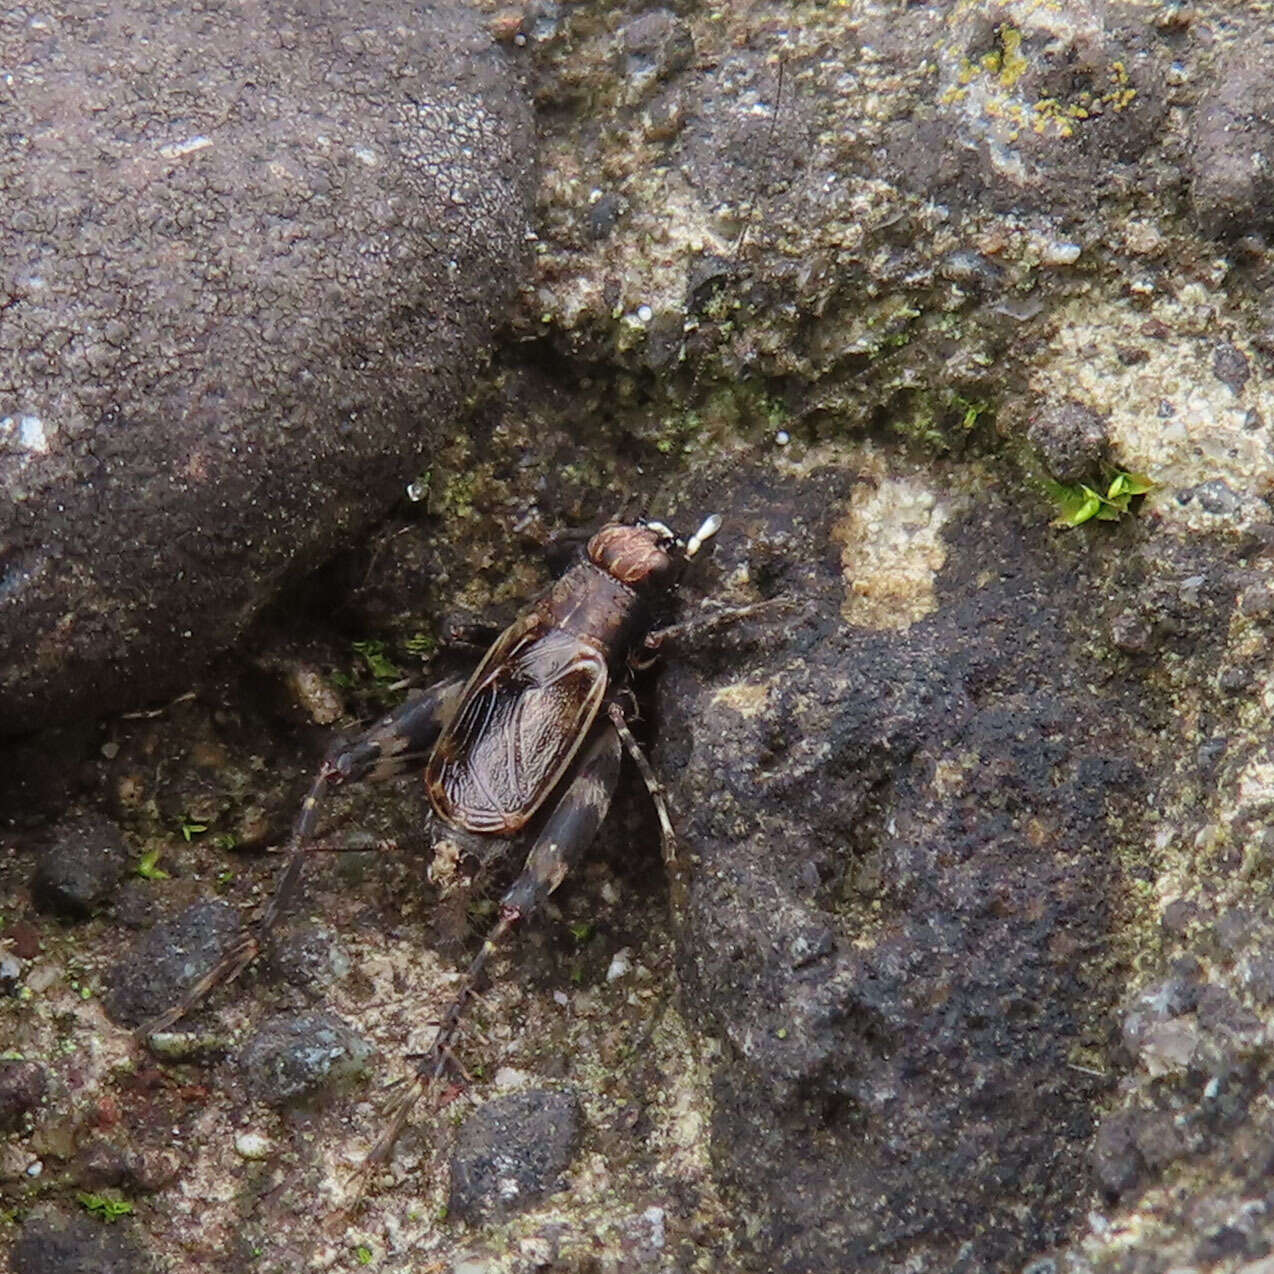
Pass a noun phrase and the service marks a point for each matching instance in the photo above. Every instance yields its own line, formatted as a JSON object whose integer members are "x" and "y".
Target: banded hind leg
{"x": 566, "y": 834}
{"x": 394, "y": 745}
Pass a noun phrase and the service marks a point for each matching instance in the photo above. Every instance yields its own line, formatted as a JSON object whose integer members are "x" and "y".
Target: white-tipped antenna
{"x": 711, "y": 525}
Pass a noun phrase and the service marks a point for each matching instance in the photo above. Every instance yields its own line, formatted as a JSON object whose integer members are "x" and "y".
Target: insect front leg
{"x": 692, "y": 630}
{"x": 566, "y": 834}
{"x": 394, "y": 745}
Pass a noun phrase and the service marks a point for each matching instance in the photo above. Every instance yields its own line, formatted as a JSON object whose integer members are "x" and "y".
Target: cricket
{"x": 524, "y": 753}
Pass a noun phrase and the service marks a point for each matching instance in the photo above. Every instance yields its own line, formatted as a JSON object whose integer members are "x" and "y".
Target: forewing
{"x": 520, "y": 722}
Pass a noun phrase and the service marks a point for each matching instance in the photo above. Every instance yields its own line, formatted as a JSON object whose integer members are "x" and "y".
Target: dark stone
{"x": 655, "y": 44}
{"x": 1234, "y": 679}
{"x": 78, "y": 871}
{"x": 101, "y": 1164}
{"x": 1260, "y": 975}
{"x": 1216, "y": 497}
{"x": 1219, "y": 1011}
{"x": 1117, "y": 1161}
{"x": 1217, "y": 1244}
{"x": 22, "y": 1088}
{"x": 909, "y": 1085}
{"x": 56, "y": 1242}
{"x": 603, "y": 215}
{"x": 169, "y": 959}
{"x": 208, "y": 379}
{"x": 1235, "y": 928}
{"x": 972, "y": 150}
{"x": 295, "y": 1057}
{"x": 1132, "y": 633}
{"x": 1179, "y": 915}
{"x": 1160, "y": 1140}
{"x": 1232, "y": 137}
{"x": 1229, "y": 364}
{"x": 24, "y": 940}
{"x": 1072, "y": 440}
{"x": 512, "y": 1152}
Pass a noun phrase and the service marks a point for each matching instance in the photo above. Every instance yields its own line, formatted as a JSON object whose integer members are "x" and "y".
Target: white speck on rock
{"x": 620, "y": 963}
{"x": 252, "y": 1145}
{"x": 28, "y": 431}
{"x": 178, "y": 150}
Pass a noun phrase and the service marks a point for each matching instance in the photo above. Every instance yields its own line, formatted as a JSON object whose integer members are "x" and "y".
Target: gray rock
{"x": 511, "y": 1152}
{"x": 56, "y": 1242}
{"x": 243, "y": 297}
{"x": 308, "y": 957}
{"x": 294, "y": 1057}
{"x": 79, "y": 870}
{"x": 1232, "y": 138}
{"x": 22, "y": 1088}
{"x": 168, "y": 960}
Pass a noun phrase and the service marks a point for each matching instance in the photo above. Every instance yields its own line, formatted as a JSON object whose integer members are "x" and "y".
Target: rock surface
{"x": 251, "y": 263}
{"x": 975, "y": 969}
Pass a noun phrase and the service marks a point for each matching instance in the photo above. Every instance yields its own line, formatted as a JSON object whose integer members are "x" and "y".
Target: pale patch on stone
{"x": 747, "y": 698}
{"x": 891, "y": 552}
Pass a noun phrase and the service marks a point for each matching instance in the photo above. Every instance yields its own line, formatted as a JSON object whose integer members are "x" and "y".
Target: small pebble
{"x": 782, "y": 438}
{"x": 1061, "y": 253}
{"x": 620, "y": 964}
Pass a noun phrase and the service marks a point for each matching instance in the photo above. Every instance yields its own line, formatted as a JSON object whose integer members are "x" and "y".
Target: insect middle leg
{"x": 566, "y": 834}
{"x": 394, "y": 745}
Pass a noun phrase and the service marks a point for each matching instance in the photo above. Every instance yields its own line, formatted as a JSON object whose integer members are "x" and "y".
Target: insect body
{"x": 529, "y": 745}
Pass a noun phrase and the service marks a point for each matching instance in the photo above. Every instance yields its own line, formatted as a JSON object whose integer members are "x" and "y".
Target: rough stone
{"x": 168, "y": 960}
{"x": 1072, "y": 440}
{"x": 309, "y": 957}
{"x": 22, "y": 1088}
{"x": 511, "y": 1152}
{"x": 294, "y": 1057}
{"x": 1232, "y": 180}
{"x": 243, "y": 295}
{"x": 77, "y": 872}
{"x": 56, "y": 1242}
